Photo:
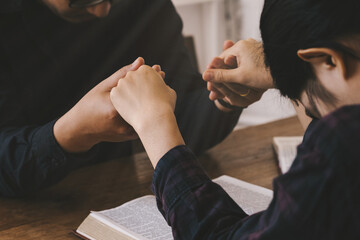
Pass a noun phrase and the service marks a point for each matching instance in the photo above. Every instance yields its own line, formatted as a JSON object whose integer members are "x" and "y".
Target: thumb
{"x": 112, "y": 81}
{"x": 221, "y": 75}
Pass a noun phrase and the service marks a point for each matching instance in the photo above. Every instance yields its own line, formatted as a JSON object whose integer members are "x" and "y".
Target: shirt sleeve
{"x": 193, "y": 205}
{"x": 305, "y": 203}
{"x": 30, "y": 159}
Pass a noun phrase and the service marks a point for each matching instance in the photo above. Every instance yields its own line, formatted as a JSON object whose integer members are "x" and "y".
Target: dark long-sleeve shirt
{"x": 319, "y": 198}
{"x": 48, "y": 64}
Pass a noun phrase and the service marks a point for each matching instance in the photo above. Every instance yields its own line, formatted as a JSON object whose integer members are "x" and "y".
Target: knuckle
{"x": 241, "y": 42}
{"x": 220, "y": 76}
{"x": 112, "y": 92}
{"x": 144, "y": 68}
{"x": 120, "y": 82}
{"x": 129, "y": 74}
{"x": 173, "y": 93}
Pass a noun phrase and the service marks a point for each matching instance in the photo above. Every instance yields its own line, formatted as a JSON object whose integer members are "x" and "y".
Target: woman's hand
{"x": 145, "y": 102}
{"x": 142, "y": 98}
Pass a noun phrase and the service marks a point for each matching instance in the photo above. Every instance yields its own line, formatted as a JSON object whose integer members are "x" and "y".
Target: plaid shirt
{"x": 319, "y": 198}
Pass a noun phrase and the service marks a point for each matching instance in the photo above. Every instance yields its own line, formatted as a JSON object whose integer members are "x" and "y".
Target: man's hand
{"x": 238, "y": 75}
{"x": 94, "y": 119}
{"x": 144, "y": 100}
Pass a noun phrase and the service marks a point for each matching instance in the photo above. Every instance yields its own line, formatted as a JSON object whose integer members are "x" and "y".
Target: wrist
{"x": 148, "y": 120}
{"x": 70, "y": 138}
{"x": 159, "y": 135}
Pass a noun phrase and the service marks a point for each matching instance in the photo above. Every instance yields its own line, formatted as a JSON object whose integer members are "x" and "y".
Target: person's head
{"x": 312, "y": 48}
{"x": 79, "y": 10}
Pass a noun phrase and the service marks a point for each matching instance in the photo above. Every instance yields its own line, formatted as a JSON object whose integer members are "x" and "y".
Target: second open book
{"x": 140, "y": 218}
{"x": 286, "y": 150}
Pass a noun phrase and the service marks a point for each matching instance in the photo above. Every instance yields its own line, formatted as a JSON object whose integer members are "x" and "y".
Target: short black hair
{"x": 290, "y": 25}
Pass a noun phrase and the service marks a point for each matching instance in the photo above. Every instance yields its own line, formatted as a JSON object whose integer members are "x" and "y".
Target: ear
{"x": 329, "y": 58}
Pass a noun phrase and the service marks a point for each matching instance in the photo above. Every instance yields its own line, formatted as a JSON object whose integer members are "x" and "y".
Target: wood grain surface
{"x": 53, "y": 213}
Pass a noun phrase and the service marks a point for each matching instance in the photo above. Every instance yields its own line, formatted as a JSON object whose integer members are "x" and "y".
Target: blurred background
{"x": 208, "y": 23}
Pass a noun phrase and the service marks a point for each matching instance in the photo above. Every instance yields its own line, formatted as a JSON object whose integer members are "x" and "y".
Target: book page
{"x": 251, "y": 198}
{"x": 286, "y": 150}
{"x": 140, "y": 218}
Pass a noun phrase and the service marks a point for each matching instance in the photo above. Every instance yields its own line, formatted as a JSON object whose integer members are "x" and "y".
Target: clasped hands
{"x": 238, "y": 76}
{"x": 136, "y": 97}
{"x": 145, "y": 102}
{"x": 94, "y": 118}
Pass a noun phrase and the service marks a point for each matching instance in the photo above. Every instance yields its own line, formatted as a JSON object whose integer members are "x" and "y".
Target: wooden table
{"x": 53, "y": 213}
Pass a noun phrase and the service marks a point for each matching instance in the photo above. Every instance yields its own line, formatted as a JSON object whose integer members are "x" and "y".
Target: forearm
{"x": 71, "y": 138}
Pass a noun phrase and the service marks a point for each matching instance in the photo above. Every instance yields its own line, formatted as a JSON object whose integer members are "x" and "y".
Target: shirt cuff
{"x": 53, "y": 157}
{"x": 47, "y": 149}
{"x": 177, "y": 173}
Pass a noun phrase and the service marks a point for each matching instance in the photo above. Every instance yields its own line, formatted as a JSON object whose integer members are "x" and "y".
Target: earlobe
{"x": 329, "y": 57}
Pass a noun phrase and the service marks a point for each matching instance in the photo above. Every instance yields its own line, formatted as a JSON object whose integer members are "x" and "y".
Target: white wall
{"x": 203, "y": 19}
{"x": 213, "y": 21}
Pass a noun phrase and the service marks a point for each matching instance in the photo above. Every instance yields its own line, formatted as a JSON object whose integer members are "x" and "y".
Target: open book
{"x": 140, "y": 218}
{"x": 286, "y": 150}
